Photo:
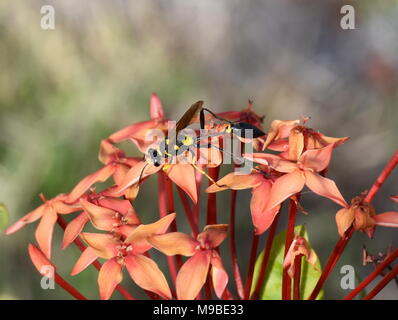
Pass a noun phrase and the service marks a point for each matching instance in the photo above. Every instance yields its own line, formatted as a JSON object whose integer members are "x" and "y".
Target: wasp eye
{"x": 153, "y": 153}
{"x": 156, "y": 164}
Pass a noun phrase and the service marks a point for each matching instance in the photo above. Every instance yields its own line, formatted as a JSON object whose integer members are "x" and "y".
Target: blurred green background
{"x": 63, "y": 90}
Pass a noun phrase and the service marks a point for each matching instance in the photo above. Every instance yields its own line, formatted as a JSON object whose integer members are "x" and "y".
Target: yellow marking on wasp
{"x": 228, "y": 129}
{"x": 167, "y": 141}
{"x": 166, "y": 166}
{"x": 176, "y": 147}
{"x": 188, "y": 140}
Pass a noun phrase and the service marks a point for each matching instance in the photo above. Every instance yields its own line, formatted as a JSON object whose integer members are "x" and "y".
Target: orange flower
{"x": 293, "y": 138}
{"x": 138, "y": 132}
{"x": 300, "y": 173}
{"x": 47, "y": 213}
{"x": 261, "y": 186}
{"x": 360, "y": 214}
{"x": 106, "y": 213}
{"x": 193, "y": 274}
{"x": 128, "y": 252}
{"x": 115, "y": 160}
{"x": 181, "y": 174}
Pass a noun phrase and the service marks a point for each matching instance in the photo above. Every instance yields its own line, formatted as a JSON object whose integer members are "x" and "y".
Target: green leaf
{"x": 272, "y": 285}
{"x": 3, "y": 216}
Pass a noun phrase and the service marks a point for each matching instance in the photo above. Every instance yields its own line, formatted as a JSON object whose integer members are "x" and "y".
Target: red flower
{"x": 47, "y": 213}
{"x": 293, "y": 138}
{"x": 300, "y": 173}
{"x": 106, "y": 213}
{"x": 128, "y": 252}
{"x": 362, "y": 216}
{"x": 261, "y": 186}
{"x": 193, "y": 274}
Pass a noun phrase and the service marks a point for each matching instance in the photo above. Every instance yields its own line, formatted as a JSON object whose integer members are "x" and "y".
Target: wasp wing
{"x": 189, "y": 116}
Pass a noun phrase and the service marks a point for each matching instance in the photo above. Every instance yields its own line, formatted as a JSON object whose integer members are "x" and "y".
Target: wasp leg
{"x": 203, "y": 172}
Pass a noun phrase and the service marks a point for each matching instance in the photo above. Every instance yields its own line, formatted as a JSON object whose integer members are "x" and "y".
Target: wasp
{"x": 170, "y": 147}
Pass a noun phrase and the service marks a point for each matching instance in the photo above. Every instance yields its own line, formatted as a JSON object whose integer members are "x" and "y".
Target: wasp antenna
{"x": 141, "y": 174}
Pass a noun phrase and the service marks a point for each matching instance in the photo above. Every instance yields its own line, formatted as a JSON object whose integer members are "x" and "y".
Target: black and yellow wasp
{"x": 171, "y": 147}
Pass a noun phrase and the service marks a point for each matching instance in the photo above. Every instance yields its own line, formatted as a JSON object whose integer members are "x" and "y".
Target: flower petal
{"x": 103, "y": 244}
{"x": 280, "y": 129}
{"x": 120, "y": 172}
{"x": 336, "y": 141}
{"x": 394, "y": 198}
{"x": 213, "y": 235}
{"x": 272, "y": 160}
{"x": 192, "y": 275}
{"x": 138, "y": 237}
{"x": 127, "y": 132}
{"x": 108, "y": 152}
{"x": 39, "y": 260}
{"x": 44, "y": 231}
{"x": 324, "y": 187}
{"x": 236, "y": 182}
{"x": 88, "y": 256}
{"x": 344, "y": 220}
{"x": 64, "y": 208}
{"x": 102, "y": 218}
{"x": 119, "y": 205}
{"x": 28, "y": 218}
{"x": 157, "y": 112}
{"x": 317, "y": 159}
{"x": 218, "y": 274}
{"x": 146, "y": 274}
{"x": 99, "y": 176}
{"x": 183, "y": 175}
{"x": 73, "y": 229}
{"x": 142, "y": 168}
{"x": 174, "y": 243}
{"x": 284, "y": 187}
{"x": 109, "y": 277}
{"x": 387, "y": 219}
{"x": 296, "y": 144}
{"x": 262, "y": 219}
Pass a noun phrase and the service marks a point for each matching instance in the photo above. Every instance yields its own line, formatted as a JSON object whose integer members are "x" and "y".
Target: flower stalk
{"x": 286, "y": 280}
{"x": 265, "y": 260}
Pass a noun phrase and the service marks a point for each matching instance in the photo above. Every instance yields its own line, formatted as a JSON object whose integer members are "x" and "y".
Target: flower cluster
{"x": 286, "y": 159}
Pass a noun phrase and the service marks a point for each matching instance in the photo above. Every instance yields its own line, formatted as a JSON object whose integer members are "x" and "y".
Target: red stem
{"x": 188, "y": 212}
{"x": 79, "y": 243}
{"x": 212, "y": 198}
{"x": 163, "y": 213}
{"x": 286, "y": 281}
{"x": 252, "y": 262}
{"x": 333, "y": 258}
{"x": 211, "y": 217}
{"x": 382, "y": 177}
{"x": 196, "y": 208}
{"x": 265, "y": 260}
{"x": 68, "y": 287}
{"x": 391, "y": 275}
{"x": 342, "y": 242}
{"x": 171, "y": 209}
{"x": 297, "y": 276}
{"x": 373, "y": 275}
{"x": 232, "y": 246}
